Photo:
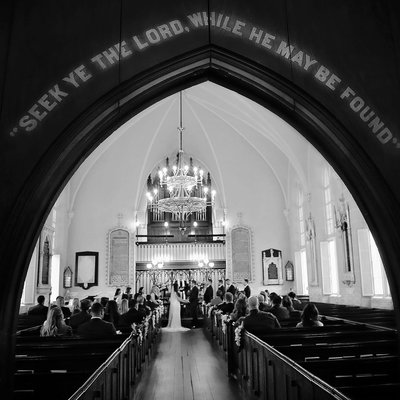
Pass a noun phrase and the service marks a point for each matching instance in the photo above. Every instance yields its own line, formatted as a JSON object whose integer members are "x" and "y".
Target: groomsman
{"x": 209, "y": 292}
{"x": 193, "y": 303}
{"x": 230, "y": 287}
{"x": 221, "y": 288}
{"x": 247, "y": 290}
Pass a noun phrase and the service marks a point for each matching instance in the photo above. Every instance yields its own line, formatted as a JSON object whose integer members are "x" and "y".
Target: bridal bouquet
{"x": 238, "y": 336}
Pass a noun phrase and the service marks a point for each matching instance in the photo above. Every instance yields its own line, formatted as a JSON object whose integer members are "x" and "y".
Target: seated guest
{"x": 155, "y": 294}
{"x": 294, "y": 298}
{"x": 209, "y": 292}
{"x": 134, "y": 315}
{"x": 142, "y": 306}
{"x": 287, "y": 303}
{"x": 309, "y": 316}
{"x": 241, "y": 309}
{"x": 96, "y": 327}
{"x": 81, "y": 317}
{"x": 111, "y": 313}
{"x": 104, "y": 301}
{"x": 217, "y": 299}
{"x": 262, "y": 305}
{"x": 277, "y": 309}
{"x": 258, "y": 320}
{"x": 227, "y": 306}
{"x": 61, "y": 303}
{"x": 124, "y": 306}
{"x": 75, "y": 308}
{"x": 39, "y": 308}
{"x": 54, "y": 324}
{"x": 149, "y": 303}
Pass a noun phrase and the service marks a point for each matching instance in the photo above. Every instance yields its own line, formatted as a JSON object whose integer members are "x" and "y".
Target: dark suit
{"x": 193, "y": 304}
{"x": 259, "y": 321}
{"x": 39, "y": 309}
{"x": 66, "y": 311}
{"x": 208, "y": 294}
{"x": 280, "y": 312}
{"x": 132, "y": 316}
{"x": 79, "y": 319}
{"x": 222, "y": 289}
{"x": 96, "y": 328}
{"x": 247, "y": 291}
{"x": 226, "y": 308}
{"x": 231, "y": 289}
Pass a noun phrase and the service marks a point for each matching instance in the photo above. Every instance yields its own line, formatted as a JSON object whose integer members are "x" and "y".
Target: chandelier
{"x": 187, "y": 193}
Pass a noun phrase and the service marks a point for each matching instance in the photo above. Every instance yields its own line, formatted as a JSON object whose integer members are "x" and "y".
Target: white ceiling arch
{"x": 213, "y": 116}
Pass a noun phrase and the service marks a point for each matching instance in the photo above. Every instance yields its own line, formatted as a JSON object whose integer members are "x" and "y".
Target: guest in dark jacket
{"x": 134, "y": 315}
{"x": 39, "y": 308}
{"x": 280, "y": 312}
{"x": 61, "y": 303}
{"x": 96, "y": 327}
{"x": 111, "y": 313}
{"x": 82, "y": 317}
{"x": 259, "y": 320}
{"x": 287, "y": 303}
{"x": 227, "y": 306}
{"x": 241, "y": 309}
{"x": 149, "y": 303}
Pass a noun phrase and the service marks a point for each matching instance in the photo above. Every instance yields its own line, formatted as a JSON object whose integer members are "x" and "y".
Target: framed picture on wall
{"x": 86, "y": 269}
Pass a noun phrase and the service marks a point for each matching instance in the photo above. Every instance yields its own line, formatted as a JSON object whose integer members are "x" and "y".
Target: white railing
{"x": 180, "y": 251}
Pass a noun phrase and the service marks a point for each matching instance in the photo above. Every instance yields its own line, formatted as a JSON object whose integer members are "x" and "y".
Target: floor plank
{"x": 187, "y": 367}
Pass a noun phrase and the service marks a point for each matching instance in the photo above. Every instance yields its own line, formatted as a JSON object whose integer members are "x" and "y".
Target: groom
{"x": 193, "y": 302}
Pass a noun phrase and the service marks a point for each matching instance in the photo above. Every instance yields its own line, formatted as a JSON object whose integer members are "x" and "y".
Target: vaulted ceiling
{"x": 226, "y": 133}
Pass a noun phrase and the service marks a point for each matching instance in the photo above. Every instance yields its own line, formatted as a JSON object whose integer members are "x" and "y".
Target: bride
{"x": 174, "y": 320}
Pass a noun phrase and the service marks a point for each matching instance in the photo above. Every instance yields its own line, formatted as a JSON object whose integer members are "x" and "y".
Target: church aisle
{"x": 187, "y": 367}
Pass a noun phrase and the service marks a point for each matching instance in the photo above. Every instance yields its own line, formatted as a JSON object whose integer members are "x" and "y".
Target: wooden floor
{"x": 187, "y": 367}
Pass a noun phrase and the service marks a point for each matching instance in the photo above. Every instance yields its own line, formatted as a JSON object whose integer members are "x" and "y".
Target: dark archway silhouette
{"x": 73, "y": 145}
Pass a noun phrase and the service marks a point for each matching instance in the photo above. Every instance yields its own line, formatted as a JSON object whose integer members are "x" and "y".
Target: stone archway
{"x": 74, "y": 143}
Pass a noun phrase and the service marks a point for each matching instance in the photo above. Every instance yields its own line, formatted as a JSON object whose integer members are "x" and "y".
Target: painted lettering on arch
{"x": 52, "y": 99}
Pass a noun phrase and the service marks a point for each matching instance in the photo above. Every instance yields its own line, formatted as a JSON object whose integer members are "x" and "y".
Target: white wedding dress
{"x": 174, "y": 320}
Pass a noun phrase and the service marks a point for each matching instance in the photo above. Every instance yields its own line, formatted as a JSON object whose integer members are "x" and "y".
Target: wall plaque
{"x": 118, "y": 267}
{"x": 241, "y": 254}
{"x": 272, "y": 267}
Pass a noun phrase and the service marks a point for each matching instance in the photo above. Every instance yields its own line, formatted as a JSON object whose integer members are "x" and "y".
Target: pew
{"x": 26, "y": 321}
{"x": 54, "y": 367}
{"x": 335, "y": 350}
{"x": 346, "y": 355}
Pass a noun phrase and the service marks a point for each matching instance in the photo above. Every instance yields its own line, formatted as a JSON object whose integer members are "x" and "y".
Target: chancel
{"x": 201, "y": 198}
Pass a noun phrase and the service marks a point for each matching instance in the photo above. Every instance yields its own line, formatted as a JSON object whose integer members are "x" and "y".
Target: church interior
{"x": 213, "y": 155}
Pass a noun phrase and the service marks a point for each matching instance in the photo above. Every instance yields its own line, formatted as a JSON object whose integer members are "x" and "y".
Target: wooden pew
{"x": 46, "y": 366}
{"x": 335, "y": 350}
{"x": 332, "y": 370}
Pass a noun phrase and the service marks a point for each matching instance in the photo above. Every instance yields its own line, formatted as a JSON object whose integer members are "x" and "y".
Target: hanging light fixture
{"x": 187, "y": 193}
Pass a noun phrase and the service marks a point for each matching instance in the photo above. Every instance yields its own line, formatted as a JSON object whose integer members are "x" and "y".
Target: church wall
{"x": 349, "y": 292}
